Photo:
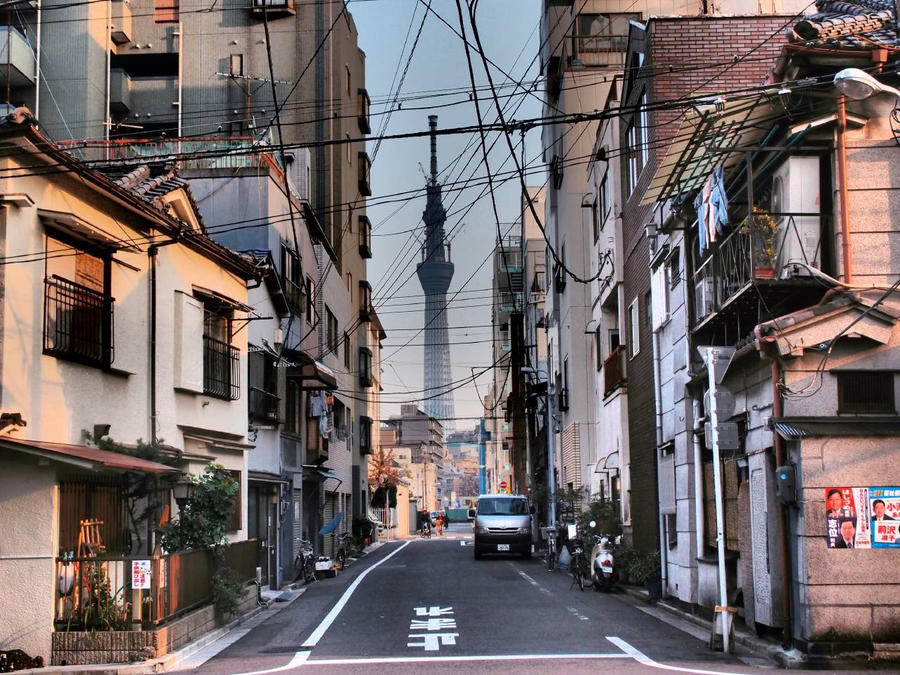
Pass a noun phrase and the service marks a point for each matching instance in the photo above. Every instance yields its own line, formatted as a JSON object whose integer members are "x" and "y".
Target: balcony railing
{"x": 77, "y": 322}
{"x": 599, "y": 50}
{"x": 221, "y": 369}
{"x": 264, "y": 405}
{"x": 97, "y": 593}
{"x": 735, "y": 261}
{"x": 614, "y": 370}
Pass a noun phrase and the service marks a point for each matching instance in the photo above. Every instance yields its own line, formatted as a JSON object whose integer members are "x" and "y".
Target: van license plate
{"x": 502, "y": 547}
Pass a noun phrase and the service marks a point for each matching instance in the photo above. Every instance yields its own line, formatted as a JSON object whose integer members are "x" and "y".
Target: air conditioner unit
{"x": 795, "y": 191}
{"x": 705, "y": 297}
{"x": 298, "y": 168}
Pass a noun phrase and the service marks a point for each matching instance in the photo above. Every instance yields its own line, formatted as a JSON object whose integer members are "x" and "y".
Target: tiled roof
{"x": 150, "y": 182}
{"x": 861, "y": 24}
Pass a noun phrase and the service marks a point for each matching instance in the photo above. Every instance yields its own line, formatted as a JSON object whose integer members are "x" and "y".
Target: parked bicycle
{"x": 305, "y": 562}
{"x": 579, "y": 565}
{"x": 342, "y": 551}
{"x": 550, "y": 533}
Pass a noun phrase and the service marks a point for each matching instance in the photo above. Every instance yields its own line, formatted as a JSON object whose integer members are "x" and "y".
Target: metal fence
{"x": 105, "y": 593}
{"x": 221, "y": 369}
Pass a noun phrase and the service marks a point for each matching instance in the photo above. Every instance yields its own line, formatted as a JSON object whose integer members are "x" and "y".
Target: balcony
{"x": 365, "y": 367}
{"x": 365, "y": 302}
{"x": 362, "y": 111}
{"x": 119, "y": 91}
{"x": 221, "y": 369}
{"x": 365, "y": 174}
{"x": 743, "y": 277}
{"x": 598, "y": 50}
{"x": 614, "y": 370}
{"x": 17, "y": 66}
{"x": 78, "y": 323}
{"x": 273, "y": 7}
{"x": 264, "y": 406}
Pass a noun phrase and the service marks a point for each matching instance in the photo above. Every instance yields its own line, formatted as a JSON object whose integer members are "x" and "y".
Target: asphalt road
{"x": 427, "y": 604}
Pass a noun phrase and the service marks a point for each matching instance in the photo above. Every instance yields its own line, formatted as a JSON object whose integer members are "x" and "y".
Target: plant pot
{"x": 654, "y": 589}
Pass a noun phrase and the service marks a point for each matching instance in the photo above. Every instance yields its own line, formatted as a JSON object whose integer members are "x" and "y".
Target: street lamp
{"x": 858, "y": 85}
{"x": 182, "y": 492}
{"x": 551, "y": 441}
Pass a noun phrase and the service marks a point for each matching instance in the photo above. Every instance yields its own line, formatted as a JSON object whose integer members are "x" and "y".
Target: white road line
{"x": 317, "y": 634}
{"x": 534, "y": 583}
{"x": 452, "y": 659}
{"x": 296, "y": 662}
{"x": 640, "y": 657}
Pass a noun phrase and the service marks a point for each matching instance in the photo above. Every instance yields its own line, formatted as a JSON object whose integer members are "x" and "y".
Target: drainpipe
{"x": 37, "y": 65}
{"x": 780, "y": 460}
{"x": 151, "y": 255}
{"x": 699, "y": 513}
{"x": 108, "y": 71}
{"x": 657, "y": 375}
{"x": 841, "y": 147}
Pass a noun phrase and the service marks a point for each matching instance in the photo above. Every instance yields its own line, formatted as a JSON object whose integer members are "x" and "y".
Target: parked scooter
{"x": 603, "y": 566}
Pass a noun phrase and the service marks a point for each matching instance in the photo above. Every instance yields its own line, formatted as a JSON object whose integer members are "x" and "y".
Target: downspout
{"x": 151, "y": 255}
{"x": 699, "y": 513}
{"x": 108, "y": 124}
{"x": 780, "y": 460}
{"x": 37, "y": 65}
{"x": 841, "y": 147}
{"x": 657, "y": 375}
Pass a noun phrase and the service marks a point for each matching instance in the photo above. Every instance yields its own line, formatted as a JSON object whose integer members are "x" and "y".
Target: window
{"x": 221, "y": 362}
{"x": 636, "y": 141}
{"x": 350, "y": 285}
{"x": 659, "y": 297}
{"x": 671, "y": 530}
{"x": 236, "y": 64}
{"x": 603, "y": 201}
{"x": 365, "y": 435}
{"x": 365, "y": 367}
{"x": 349, "y": 144}
{"x": 331, "y": 331}
{"x": 365, "y": 301}
{"x": 634, "y": 327}
{"x": 598, "y": 348}
{"x": 309, "y": 300}
{"x": 673, "y": 268}
{"x": 595, "y": 219}
{"x": 349, "y": 79}
{"x": 365, "y": 169}
{"x": 165, "y": 11}
{"x": 866, "y": 392}
{"x": 292, "y": 416}
{"x": 362, "y": 110}
{"x": 263, "y": 386}
{"x": 346, "y": 350}
{"x": 564, "y": 387}
{"x": 78, "y": 311}
{"x": 292, "y": 280}
{"x": 365, "y": 237}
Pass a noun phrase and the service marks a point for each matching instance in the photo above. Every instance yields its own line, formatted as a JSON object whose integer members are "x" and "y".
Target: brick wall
{"x": 685, "y": 56}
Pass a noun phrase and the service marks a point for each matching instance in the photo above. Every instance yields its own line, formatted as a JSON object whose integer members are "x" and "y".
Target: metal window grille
{"x": 221, "y": 369}
{"x": 866, "y": 392}
{"x": 77, "y": 322}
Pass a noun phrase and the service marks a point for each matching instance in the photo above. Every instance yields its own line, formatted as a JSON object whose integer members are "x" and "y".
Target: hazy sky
{"x": 437, "y": 82}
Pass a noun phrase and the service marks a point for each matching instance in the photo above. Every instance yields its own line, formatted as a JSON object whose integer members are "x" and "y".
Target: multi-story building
{"x": 227, "y": 82}
{"x": 125, "y": 327}
{"x": 773, "y": 309}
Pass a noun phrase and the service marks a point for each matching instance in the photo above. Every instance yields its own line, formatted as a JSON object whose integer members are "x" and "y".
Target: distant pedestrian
{"x": 439, "y": 523}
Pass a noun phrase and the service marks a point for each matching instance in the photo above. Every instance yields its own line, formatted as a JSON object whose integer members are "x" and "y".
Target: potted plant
{"x": 763, "y": 232}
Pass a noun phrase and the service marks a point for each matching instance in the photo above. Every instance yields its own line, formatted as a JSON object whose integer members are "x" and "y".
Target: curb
{"x": 786, "y": 658}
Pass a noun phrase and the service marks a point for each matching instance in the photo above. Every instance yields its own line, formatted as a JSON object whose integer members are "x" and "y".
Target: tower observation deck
{"x": 435, "y": 272}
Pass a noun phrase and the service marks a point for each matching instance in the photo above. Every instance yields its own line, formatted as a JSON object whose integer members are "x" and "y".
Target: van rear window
{"x": 502, "y": 507}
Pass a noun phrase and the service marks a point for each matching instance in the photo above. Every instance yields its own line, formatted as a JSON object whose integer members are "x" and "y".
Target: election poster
{"x": 862, "y": 517}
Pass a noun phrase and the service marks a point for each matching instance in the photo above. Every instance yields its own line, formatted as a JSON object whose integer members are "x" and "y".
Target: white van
{"x": 502, "y": 525}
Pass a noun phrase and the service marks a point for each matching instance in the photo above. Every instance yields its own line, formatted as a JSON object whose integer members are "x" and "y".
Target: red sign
{"x": 503, "y": 485}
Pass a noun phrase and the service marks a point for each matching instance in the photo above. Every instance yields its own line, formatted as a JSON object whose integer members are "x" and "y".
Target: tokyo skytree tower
{"x": 435, "y": 272}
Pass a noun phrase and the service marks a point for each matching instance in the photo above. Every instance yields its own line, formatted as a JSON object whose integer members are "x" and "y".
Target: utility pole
{"x": 517, "y": 401}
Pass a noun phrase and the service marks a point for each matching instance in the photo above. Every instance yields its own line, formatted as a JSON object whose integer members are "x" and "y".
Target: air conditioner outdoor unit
{"x": 795, "y": 190}
{"x": 705, "y": 297}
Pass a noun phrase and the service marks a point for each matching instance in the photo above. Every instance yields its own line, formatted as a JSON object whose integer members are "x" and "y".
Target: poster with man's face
{"x": 862, "y": 517}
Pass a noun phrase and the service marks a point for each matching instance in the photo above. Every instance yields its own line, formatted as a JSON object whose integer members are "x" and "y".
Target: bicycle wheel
{"x": 298, "y": 567}
{"x": 576, "y": 572}
{"x": 341, "y": 559}
{"x": 309, "y": 569}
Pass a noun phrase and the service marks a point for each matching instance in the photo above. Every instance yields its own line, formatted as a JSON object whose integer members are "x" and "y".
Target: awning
{"x": 707, "y": 137}
{"x": 312, "y": 374}
{"x": 796, "y": 428}
{"x": 85, "y": 456}
{"x": 332, "y": 524}
{"x": 323, "y": 473}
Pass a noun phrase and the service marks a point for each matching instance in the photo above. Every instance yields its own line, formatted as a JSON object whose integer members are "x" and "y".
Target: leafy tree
{"x": 203, "y": 522}
{"x": 383, "y": 469}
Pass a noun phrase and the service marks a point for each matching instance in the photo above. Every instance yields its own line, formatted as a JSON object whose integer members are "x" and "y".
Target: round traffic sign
{"x": 503, "y": 485}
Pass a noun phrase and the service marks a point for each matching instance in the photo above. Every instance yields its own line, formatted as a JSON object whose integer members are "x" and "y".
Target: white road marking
{"x": 578, "y": 614}
{"x": 640, "y": 657}
{"x": 534, "y": 583}
{"x": 317, "y": 634}
{"x": 452, "y": 659}
{"x": 298, "y": 660}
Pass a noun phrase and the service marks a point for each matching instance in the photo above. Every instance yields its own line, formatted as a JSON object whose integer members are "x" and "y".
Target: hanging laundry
{"x": 718, "y": 200}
